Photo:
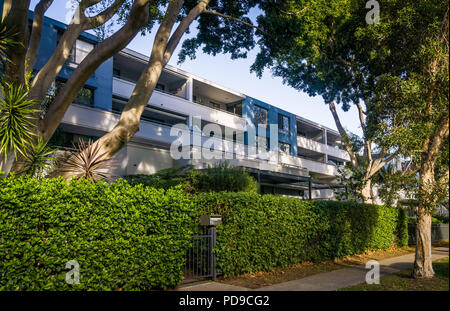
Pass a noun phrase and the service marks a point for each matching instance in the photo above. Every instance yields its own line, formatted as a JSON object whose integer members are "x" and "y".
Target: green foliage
{"x": 6, "y": 41}
{"x": 264, "y": 232}
{"x": 409, "y": 109}
{"x": 441, "y": 218}
{"x": 213, "y": 179}
{"x": 123, "y": 237}
{"x": 394, "y": 185}
{"x": 220, "y": 34}
{"x": 37, "y": 159}
{"x": 16, "y": 115}
{"x": 436, "y": 219}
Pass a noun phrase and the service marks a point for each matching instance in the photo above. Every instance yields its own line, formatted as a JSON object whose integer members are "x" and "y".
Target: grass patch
{"x": 301, "y": 270}
{"x": 403, "y": 281}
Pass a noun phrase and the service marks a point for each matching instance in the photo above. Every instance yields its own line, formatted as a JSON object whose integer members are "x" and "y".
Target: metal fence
{"x": 200, "y": 260}
{"x": 439, "y": 232}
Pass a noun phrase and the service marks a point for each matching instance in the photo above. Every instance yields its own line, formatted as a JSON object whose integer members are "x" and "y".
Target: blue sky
{"x": 235, "y": 74}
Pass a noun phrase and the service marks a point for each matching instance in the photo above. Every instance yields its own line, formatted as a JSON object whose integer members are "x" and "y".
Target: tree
{"x": 222, "y": 23}
{"x": 312, "y": 45}
{"x": 415, "y": 36}
{"x": 398, "y": 68}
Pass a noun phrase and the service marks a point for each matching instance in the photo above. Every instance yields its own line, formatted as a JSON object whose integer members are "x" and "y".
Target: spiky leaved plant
{"x": 37, "y": 159}
{"x": 88, "y": 162}
{"x": 16, "y": 115}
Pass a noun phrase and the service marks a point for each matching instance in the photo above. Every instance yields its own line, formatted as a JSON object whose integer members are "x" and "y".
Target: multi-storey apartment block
{"x": 307, "y": 155}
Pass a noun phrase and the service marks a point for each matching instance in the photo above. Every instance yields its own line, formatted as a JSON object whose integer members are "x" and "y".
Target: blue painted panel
{"x": 248, "y": 114}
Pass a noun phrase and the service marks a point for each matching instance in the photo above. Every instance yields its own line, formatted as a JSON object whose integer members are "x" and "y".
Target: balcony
{"x": 99, "y": 121}
{"x": 172, "y": 102}
{"x": 333, "y": 151}
{"x": 311, "y": 165}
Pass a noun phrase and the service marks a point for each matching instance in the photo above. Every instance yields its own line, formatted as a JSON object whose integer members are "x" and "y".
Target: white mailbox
{"x": 210, "y": 220}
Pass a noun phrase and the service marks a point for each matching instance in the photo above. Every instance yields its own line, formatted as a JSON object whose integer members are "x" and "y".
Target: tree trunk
{"x": 17, "y": 20}
{"x": 366, "y": 192}
{"x": 423, "y": 267}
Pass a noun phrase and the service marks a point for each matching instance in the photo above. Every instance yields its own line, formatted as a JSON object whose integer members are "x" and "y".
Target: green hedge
{"x": 123, "y": 237}
{"x": 135, "y": 237}
{"x": 213, "y": 179}
{"x": 264, "y": 232}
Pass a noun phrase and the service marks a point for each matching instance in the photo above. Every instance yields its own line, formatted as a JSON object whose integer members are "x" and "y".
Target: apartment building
{"x": 303, "y": 156}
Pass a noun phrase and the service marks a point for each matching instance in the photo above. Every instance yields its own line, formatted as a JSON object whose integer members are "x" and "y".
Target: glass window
{"x": 285, "y": 148}
{"x": 79, "y": 50}
{"x": 82, "y": 49}
{"x": 283, "y": 123}
{"x": 116, "y": 72}
{"x": 260, "y": 116}
{"x": 215, "y": 105}
{"x": 84, "y": 97}
{"x": 263, "y": 143}
{"x": 235, "y": 108}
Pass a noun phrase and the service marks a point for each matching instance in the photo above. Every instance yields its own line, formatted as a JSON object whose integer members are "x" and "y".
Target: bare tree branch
{"x": 182, "y": 27}
{"x": 36, "y": 33}
{"x": 49, "y": 71}
{"x": 107, "y": 14}
{"x": 343, "y": 133}
{"x": 106, "y": 49}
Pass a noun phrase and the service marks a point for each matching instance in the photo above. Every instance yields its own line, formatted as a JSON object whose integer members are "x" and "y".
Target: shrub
{"x": 264, "y": 232}
{"x": 442, "y": 218}
{"x": 215, "y": 179}
{"x": 123, "y": 237}
{"x": 436, "y": 219}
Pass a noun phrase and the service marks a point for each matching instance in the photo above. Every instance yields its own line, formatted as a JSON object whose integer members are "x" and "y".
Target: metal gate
{"x": 200, "y": 260}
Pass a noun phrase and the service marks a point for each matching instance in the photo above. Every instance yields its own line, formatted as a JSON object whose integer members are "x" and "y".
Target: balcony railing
{"x": 322, "y": 148}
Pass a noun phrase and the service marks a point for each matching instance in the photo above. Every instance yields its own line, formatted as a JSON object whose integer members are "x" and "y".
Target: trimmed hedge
{"x": 264, "y": 232}
{"x": 136, "y": 237}
{"x": 123, "y": 237}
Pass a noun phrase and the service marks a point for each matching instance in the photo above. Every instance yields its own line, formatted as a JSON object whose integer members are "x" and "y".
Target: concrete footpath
{"x": 328, "y": 281}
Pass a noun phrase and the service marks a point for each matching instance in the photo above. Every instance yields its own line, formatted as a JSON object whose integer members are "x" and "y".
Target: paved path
{"x": 328, "y": 281}
{"x": 210, "y": 286}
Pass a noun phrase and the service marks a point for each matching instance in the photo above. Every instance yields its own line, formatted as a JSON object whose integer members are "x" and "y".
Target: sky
{"x": 235, "y": 74}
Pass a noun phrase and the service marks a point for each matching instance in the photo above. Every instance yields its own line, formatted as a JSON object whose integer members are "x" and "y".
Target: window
{"x": 262, "y": 142}
{"x": 215, "y": 105}
{"x": 235, "y": 108}
{"x": 283, "y": 123}
{"x": 116, "y": 72}
{"x": 160, "y": 86}
{"x": 84, "y": 97}
{"x": 285, "y": 148}
{"x": 260, "y": 116}
{"x": 79, "y": 50}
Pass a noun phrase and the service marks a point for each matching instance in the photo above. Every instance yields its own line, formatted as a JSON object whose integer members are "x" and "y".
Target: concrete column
{"x": 190, "y": 89}
{"x": 325, "y": 143}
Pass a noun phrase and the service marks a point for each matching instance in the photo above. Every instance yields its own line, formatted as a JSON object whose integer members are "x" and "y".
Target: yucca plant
{"x": 37, "y": 159}
{"x": 88, "y": 162}
{"x": 16, "y": 115}
{"x": 6, "y": 41}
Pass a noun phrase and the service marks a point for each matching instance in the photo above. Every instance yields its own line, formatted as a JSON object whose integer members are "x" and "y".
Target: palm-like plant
{"x": 38, "y": 159}
{"x": 16, "y": 115}
{"x": 88, "y": 162}
{"x": 6, "y": 41}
